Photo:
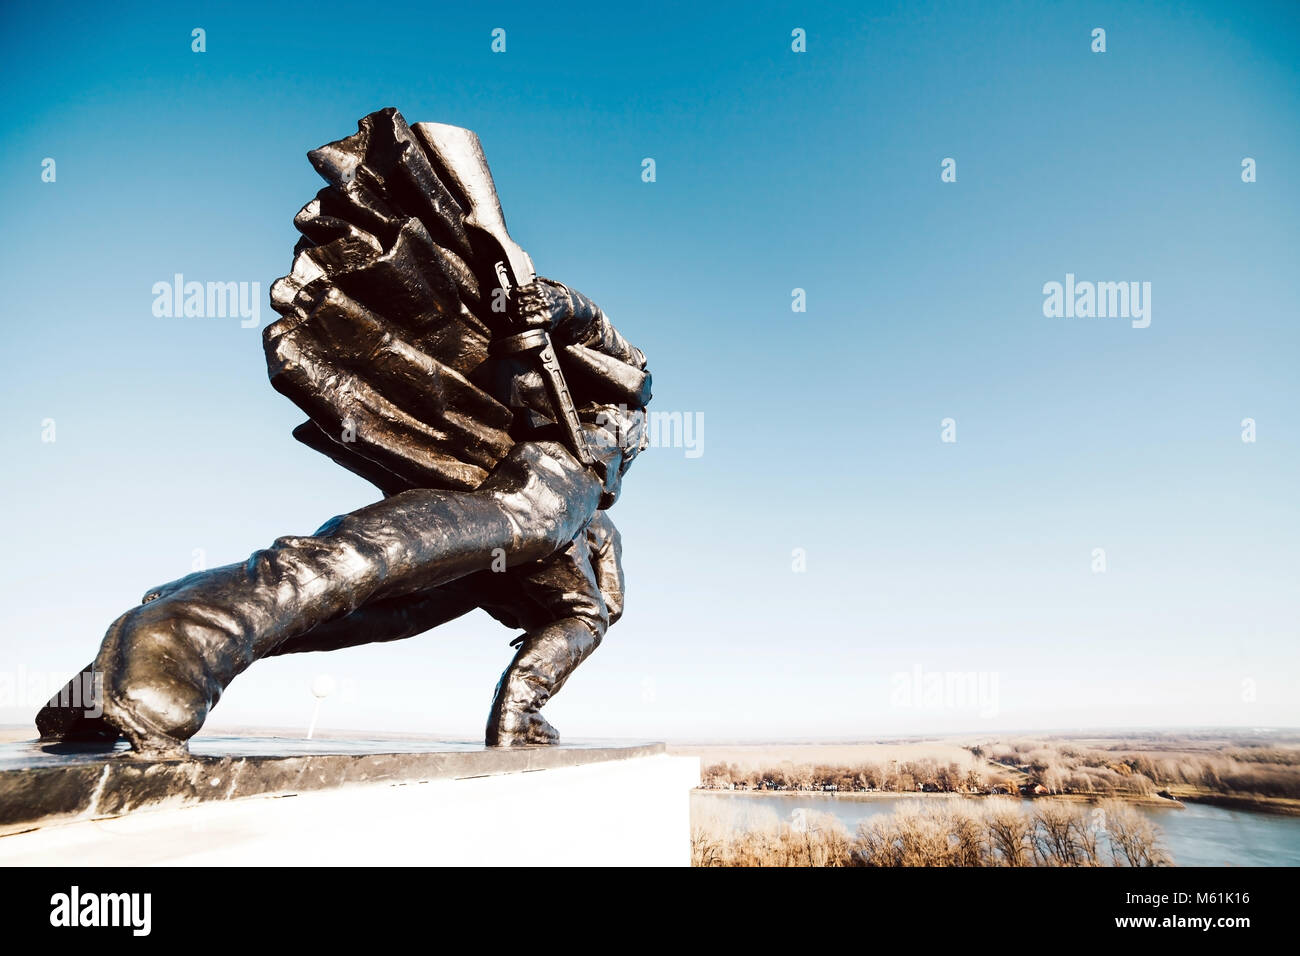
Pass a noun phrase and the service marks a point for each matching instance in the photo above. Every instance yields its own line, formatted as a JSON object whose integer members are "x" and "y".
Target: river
{"x": 1199, "y": 835}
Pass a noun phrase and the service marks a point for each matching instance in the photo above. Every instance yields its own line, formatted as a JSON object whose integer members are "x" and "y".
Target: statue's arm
{"x": 575, "y": 319}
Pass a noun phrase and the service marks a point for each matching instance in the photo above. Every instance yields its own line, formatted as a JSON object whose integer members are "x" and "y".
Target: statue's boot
{"x": 165, "y": 663}
{"x": 545, "y": 659}
{"x": 76, "y": 712}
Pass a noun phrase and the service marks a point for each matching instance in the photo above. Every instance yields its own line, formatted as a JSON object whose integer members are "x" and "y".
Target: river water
{"x": 1199, "y": 835}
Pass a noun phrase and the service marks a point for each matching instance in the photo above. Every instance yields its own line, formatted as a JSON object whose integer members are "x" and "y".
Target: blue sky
{"x": 775, "y": 170}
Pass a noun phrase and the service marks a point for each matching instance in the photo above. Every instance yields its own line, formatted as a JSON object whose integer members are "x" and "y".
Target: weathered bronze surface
{"x": 496, "y": 411}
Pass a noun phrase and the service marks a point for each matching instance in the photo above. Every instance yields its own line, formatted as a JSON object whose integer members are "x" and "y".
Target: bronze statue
{"x": 496, "y": 411}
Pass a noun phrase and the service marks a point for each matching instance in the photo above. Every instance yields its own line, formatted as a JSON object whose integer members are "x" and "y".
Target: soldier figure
{"x": 497, "y": 412}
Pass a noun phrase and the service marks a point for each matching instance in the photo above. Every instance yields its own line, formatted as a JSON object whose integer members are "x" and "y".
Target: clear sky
{"x": 775, "y": 170}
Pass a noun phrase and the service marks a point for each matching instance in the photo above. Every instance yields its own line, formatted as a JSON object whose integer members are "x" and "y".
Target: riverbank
{"x": 1249, "y": 802}
{"x": 1248, "y": 770}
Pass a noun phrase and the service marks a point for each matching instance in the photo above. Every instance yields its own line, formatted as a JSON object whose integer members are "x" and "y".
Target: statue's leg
{"x": 165, "y": 663}
{"x": 544, "y": 662}
{"x": 76, "y": 714}
{"x": 580, "y": 591}
{"x": 392, "y": 619}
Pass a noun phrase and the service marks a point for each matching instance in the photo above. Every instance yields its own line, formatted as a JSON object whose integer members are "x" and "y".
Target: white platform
{"x": 620, "y": 812}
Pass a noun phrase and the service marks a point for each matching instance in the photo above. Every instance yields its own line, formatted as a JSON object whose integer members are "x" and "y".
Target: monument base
{"x": 571, "y": 805}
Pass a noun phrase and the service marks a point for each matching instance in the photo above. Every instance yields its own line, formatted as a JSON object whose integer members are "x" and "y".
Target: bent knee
{"x": 596, "y": 616}
{"x": 542, "y": 523}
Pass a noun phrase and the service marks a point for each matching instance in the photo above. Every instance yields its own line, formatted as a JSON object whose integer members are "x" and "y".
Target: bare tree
{"x": 1010, "y": 832}
{"x": 1062, "y": 836}
{"x": 1134, "y": 839}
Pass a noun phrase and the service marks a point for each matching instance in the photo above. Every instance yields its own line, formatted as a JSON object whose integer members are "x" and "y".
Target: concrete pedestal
{"x": 585, "y": 805}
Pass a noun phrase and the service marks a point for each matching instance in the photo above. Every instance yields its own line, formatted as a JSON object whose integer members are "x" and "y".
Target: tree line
{"x": 893, "y": 776}
{"x": 996, "y": 832}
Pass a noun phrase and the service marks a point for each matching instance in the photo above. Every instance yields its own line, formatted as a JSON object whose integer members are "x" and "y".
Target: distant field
{"x": 1245, "y": 769}
{"x": 1165, "y": 744}
{"x": 753, "y": 756}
